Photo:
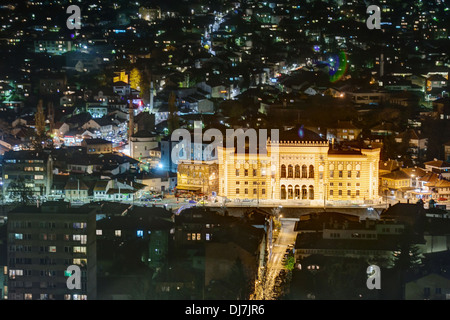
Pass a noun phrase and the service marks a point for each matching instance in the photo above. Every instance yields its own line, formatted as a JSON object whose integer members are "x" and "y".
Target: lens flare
{"x": 340, "y": 67}
{"x": 301, "y": 132}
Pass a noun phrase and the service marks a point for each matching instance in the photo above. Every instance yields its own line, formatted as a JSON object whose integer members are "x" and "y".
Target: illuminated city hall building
{"x": 300, "y": 167}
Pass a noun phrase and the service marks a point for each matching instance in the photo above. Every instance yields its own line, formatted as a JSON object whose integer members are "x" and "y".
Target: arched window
{"x": 283, "y": 171}
{"x": 297, "y": 192}
{"x": 290, "y": 192}
{"x": 283, "y": 192}
{"x": 311, "y": 171}
{"x": 304, "y": 171}
{"x": 304, "y": 192}
{"x": 297, "y": 171}
{"x": 290, "y": 171}
{"x": 311, "y": 192}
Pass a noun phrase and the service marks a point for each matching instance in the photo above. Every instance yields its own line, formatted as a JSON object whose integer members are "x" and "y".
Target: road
{"x": 265, "y": 289}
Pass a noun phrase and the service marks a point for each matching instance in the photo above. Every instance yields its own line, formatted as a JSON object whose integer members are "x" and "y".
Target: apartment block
{"x": 42, "y": 243}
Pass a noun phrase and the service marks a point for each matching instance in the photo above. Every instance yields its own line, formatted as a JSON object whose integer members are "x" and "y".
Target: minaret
{"x": 130, "y": 120}
{"x": 381, "y": 65}
{"x": 152, "y": 93}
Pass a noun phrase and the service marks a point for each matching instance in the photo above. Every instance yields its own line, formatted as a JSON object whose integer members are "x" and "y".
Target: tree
{"x": 406, "y": 258}
{"x": 19, "y": 192}
{"x": 135, "y": 79}
{"x": 40, "y": 135}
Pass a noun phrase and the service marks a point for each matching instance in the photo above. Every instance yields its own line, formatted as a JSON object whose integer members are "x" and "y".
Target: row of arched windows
{"x": 296, "y": 172}
{"x": 297, "y": 193}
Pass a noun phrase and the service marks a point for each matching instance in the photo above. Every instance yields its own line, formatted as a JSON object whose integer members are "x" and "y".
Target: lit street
{"x": 266, "y": 288}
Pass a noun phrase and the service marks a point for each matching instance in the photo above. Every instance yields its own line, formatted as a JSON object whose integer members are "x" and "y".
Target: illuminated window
{"x": 118, "y": 233}
{"x": 79, "y": 249}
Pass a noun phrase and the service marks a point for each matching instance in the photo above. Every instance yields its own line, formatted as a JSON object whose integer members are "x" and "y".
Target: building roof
{"x": 95, "y": 141}
{"x": 389, "y": 165}
{"x": 438, "y": 163}
{"x": 314, "y": 240}
{"x": 396, "y": 175}
{"x": 101, "y": 185}
{"x": 414, "y": 172}
{"x": 300, "y": 133}
{"x": 51, "y": 207}
{"x": 120, "y": 84}
{"x": 25, "y": 155}
{"x": 429, "y": 178}
{"x": 345, "y": 125}
{"x": 411, "y": 134}
{"x": 73, "y": 184}
{"x": 318, "y": 221}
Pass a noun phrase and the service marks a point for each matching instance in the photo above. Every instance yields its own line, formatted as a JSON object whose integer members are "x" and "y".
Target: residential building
{"x": 97, "y": 146}
{"x": 447, "y": 151}
{"x": 118, "y": 190}
{"x": 396, "y": 183}
{"x": 160, "y": 182}
{"x": 43, "y": 241}
{"x": 141, "y": 145}
{"x": 50, "y": 84}
{"x": 76, "y": 190}
{"x": 148, "y": 227}
{"x": 333, "y": 234}
{"x": 432, "y": 286}
{"x": 343, "y": 131}
{"x": 54, "y": 47}
{"x": 438, "y": 166}
{"x": 416, "y": 141}
{"x": 31, "y": 171}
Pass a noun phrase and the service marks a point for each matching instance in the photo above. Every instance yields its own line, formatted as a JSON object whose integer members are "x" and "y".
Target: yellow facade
{"x": 300, "y": 171}
{"x": 197, "y": 176}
